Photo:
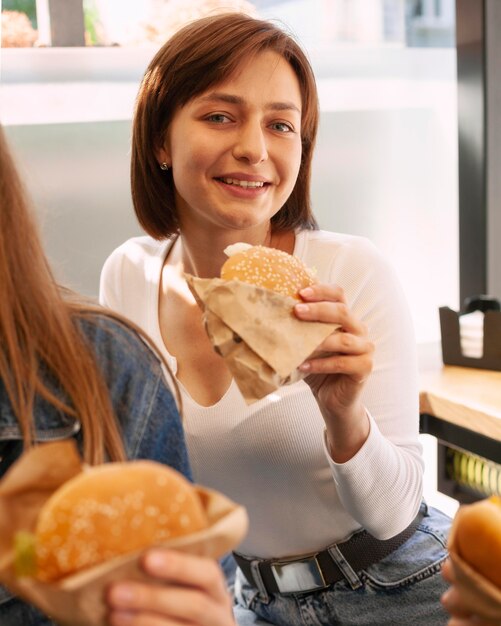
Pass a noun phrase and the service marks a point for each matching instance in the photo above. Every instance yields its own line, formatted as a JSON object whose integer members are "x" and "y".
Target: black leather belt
{"x": 317, "y": 571}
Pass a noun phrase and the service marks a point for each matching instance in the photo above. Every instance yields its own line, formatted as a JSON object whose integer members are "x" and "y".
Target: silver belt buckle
{"x": 296, "y": 576}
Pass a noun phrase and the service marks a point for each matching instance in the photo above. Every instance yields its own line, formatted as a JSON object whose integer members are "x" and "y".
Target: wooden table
{"x": 461, "y": 407}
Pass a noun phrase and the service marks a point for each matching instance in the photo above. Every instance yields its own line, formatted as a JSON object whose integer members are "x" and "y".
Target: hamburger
{"x": 265, "y": 267}
{"x": 249, "y": 317}
{"x": 477, "y": 538}
{"x": 110, "y": 510}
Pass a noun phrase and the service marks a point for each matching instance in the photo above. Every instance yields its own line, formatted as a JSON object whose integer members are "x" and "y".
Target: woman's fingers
{"x": 471, "y": 621}
{"x": 357, "y": 367}
{"x": 186, "y": 569}
{"x": 144, "y": 604}
{"x": 188, "y": 590}
{"x": 327, "y": 303}
{"x": 344, "y": 360}
{"x": 451, "y": 601}
{"x": 323, "y": 291}
{"x": 345, "y": 351}
{"x": 340, "y": 342}
{"x": 447, "y": 571}
{"x": 125, "y": 618}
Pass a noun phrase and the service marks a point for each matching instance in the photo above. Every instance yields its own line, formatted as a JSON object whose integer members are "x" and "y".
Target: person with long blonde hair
{"x": 71, "y": 369}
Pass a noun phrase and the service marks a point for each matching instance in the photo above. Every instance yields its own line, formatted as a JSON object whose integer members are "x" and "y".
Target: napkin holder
{"x": 452, "y": 353}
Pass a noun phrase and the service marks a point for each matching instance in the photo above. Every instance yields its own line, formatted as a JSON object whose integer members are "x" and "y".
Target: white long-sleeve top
{"x": 271, "y": 456}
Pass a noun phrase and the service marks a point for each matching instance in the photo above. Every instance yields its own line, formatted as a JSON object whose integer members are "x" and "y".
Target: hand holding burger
{"x": 474, "y": 570}
{"x": 186, "y": 589}
{"x": 478, "y": 537}
{"x": 454, "y": 603}
{"x": 341, "y": 364}
{"x": 117, "y": 508}
{"x": 93, "y": 551}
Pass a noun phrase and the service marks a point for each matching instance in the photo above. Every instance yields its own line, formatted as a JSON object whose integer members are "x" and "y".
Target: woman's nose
{"x": 250, "y": 144}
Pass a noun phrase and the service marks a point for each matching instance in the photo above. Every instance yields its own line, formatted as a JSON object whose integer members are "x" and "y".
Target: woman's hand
{"x": 338, "y": 369}
{"x": 455, "y": 606}
{"x": 188, "y": 591}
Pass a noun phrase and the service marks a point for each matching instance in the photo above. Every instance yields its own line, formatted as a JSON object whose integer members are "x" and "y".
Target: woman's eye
{"x": 218, "y": 118}
{"x": 282, "y": 127}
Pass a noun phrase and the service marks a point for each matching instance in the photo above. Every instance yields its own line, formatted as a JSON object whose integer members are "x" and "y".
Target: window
{"x": 387, "y": 158}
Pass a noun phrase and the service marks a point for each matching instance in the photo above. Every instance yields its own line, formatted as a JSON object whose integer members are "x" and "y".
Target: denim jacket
{"x": 142, "y": 401}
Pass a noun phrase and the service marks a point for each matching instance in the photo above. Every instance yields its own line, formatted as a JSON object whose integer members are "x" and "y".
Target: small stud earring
{"x": 164, "y": 166}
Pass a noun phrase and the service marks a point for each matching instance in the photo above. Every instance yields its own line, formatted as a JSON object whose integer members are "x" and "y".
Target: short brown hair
{"x": 200, "y": 55}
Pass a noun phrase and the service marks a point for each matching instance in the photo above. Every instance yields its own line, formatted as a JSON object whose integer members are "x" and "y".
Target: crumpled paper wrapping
{"x": 479, "y": 594}
{"x": 256, "y": 332}
{"x": 78, "y": 600}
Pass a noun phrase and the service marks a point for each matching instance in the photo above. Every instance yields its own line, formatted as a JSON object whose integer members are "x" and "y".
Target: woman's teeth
{"x": 242, "y": 183}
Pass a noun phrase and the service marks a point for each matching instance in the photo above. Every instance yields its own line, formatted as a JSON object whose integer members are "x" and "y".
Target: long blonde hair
{"x": 38, "y": 327}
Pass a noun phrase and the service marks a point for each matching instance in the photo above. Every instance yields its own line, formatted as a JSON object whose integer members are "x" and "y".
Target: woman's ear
{"x": 162, "y": 156}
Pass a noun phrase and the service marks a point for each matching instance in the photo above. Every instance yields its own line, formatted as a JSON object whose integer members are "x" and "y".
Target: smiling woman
{"x": 329, "y": 467}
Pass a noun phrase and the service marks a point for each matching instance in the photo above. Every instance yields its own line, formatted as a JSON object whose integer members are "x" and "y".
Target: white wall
{"x": 77, "y": 175}
{"x": 386, "y": 165}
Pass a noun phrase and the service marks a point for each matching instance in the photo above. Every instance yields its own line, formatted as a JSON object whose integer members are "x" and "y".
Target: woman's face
{"x": 235, "y": 150}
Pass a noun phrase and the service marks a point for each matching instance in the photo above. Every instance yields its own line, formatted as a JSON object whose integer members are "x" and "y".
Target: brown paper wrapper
{"x": 257, "y": 333}
{"x": 480, "y": 595}
{"x": 78, "y": 600}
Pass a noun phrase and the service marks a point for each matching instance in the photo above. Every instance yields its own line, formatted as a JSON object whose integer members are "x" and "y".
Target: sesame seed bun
{"x": 478, "y": 537}
{"x": 267, "y": 267}
{"x": 113, "y": 509}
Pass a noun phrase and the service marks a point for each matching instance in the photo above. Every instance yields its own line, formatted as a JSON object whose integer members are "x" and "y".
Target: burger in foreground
{"x": 266, "y": 267}
{"x": 478, "y": 537}
{"x": 113, "y": 509}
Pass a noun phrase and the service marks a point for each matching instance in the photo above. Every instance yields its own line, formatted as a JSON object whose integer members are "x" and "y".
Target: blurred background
{"x": 386, "y": 165}
{"x": 386, "y": 162}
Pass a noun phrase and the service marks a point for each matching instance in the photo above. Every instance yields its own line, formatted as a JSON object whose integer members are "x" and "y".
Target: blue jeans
{"x": 15, "y": 612}
{"x": 403, "y": 588}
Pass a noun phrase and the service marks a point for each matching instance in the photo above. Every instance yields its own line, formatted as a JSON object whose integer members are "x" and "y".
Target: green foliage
{"x": 91, "y": 20}
{"x": 23, "y": 6}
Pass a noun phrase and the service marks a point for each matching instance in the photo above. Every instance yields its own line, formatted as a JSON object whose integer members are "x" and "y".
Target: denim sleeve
{"x": 15, "y": 612}
{"x": 162, "y": 438}
{"x": 143, "y": 403}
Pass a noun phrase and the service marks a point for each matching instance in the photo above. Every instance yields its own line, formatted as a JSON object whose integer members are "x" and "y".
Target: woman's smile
{"x": 243, "y": 186}
{"x": 242, "y": 183}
